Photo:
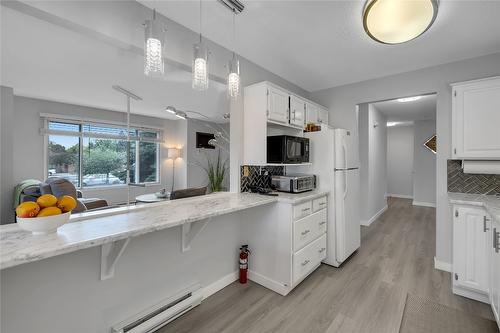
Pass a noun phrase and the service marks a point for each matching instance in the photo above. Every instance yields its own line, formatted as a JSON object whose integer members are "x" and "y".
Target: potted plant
{"x": 216, "y": 172}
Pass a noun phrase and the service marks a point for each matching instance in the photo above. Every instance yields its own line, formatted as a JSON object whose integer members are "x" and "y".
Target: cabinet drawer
{"x": 301, "y": 210}
{"x": 319, "y": 204}
{"x": 307, "y": 258}
{"x": 304, "y": 231}
{"x": 320, "y": 221}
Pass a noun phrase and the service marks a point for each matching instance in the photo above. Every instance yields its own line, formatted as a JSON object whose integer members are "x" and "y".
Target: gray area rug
{"x": 424, "y": 316}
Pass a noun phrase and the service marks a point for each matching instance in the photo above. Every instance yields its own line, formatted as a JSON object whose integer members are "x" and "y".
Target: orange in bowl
{"x": 66, "y": 203}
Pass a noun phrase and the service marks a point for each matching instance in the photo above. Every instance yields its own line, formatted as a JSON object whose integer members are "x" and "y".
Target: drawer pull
{"x": 305, "y": 209}
{"x": 305, "y": 263}
{"x": 322, "y": 203}
{"x": 322, "y": 250}
{"x": 305, "y": 232}
{"x": 321, "y": 223}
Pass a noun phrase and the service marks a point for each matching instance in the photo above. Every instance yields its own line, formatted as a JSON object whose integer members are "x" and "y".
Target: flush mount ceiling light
{"x": 398, "y": 21}
{"x": 409, "y": 99}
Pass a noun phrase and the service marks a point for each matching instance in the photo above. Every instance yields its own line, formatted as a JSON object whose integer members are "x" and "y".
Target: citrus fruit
{"x": 66, "y": 203}
{"x": 27, "y": 209}
{"x": 49, "y": 211}
{"x": 46, "y": 200}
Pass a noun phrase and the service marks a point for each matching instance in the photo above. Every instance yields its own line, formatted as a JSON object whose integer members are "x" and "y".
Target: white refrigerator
{"x": 335, "y": 162}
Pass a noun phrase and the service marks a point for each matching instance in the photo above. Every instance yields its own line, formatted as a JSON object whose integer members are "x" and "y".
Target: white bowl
{"x": 43, "y": 225}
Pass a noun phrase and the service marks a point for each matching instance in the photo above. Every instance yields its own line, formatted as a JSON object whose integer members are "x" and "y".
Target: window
{"x": 92, "y": 154}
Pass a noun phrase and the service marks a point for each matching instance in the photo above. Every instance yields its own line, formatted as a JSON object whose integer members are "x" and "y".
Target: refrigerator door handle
{"x": 345, "y": 183}
{"x": 344, "y": 148}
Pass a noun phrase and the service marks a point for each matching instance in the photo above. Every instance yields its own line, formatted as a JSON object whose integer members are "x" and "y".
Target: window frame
{"x": 81, "y": 134}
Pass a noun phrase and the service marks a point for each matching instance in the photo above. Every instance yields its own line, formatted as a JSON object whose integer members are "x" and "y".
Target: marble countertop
{"x": 490, "y": 202}
{"x": 296, "y": 198}
{"x": 19, "y": 247}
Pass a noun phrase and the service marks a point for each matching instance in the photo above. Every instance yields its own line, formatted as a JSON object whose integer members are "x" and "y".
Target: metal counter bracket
{"x": 110, "y": 253}
{"x": 190, "y": 231}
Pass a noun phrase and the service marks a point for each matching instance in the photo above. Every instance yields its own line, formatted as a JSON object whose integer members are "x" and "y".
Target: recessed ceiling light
{"x": 409, "y": 99}
{"x": 398, "y": 21}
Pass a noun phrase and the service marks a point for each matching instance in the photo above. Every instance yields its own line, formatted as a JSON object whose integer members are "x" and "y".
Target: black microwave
{"x": 287, "y": 149}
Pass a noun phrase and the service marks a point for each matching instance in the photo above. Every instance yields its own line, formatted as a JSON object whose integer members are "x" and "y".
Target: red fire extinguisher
{"x": 244, "y": 252}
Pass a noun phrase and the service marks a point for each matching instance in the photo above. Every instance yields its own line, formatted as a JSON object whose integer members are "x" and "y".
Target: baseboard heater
{"x": 159, "y": 315}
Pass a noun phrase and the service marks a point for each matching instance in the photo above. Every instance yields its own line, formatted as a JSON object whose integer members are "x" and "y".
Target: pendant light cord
{"x": 234, "y": 32}
{"x": 200, "y": 21}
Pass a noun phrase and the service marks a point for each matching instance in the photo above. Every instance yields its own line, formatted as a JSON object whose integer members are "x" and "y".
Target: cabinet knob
{"x": 305, "y": 232}
{"x": 305, "y": 263}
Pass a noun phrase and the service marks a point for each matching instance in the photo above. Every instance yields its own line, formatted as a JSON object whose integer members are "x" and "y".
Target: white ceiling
{"x": 422, "y": 109}
{"x": 321, "y": 44}
{"x": 83, "y": 72}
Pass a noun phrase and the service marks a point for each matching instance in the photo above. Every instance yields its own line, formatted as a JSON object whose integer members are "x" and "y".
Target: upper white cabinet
{"x": 471, "y": 226}
{"x": 476, "y": 119}
{"x": 311, "y": 113}
{"x": 323, "y": 116}
{"x": 278, "y": 101}
{"x": 297, "y": 111}
{"x": 272, "y": 110}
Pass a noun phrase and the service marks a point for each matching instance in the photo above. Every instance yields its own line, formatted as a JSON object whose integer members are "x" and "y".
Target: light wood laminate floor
{"x": 366, "y": 294}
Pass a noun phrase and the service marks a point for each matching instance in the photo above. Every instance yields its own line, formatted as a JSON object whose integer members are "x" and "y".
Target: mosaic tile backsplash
{"x": 471, "y": 183}
{"x": 258, "y": 176}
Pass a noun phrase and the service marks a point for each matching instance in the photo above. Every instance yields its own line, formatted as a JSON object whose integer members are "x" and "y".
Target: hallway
{"x": 367, "y": 294}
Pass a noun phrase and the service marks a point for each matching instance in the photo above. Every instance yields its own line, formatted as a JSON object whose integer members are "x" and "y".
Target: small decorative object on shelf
{"x": 312, "y": 128}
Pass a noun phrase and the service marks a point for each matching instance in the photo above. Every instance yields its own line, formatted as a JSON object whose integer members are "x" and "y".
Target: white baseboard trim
{"x": 268, "y": 283}
{"x": 402, "y": 196}
{"x": 422, "y": 203}
{"x": 475, "y": 295}
{"x": 374, "y": 217}
{"x": 442, "y": 266}
{"x": 220, "y": 284}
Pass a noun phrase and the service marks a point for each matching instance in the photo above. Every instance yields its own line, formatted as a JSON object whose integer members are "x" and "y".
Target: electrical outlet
{"x": 246, "y": 172}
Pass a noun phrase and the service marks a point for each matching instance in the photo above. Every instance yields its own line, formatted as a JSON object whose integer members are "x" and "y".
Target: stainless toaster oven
{"x": 294, "y": 183}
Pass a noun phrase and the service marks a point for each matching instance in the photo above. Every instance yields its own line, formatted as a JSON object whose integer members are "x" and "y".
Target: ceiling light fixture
{"x": 398, "y": 21}
{"x": 200, "y": 64}
{"x": 409, "y": 99}
{"x": 171, "y": 109}
{"x": 233, "y": 76}
{"x": 154, "y": 40}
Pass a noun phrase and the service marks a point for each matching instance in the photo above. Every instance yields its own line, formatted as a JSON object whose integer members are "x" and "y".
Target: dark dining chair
{"x": 188, "y": 192}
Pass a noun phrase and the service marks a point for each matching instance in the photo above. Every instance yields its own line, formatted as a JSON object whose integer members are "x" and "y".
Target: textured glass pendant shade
{"x": 200, "y": 67}
{"x": 154, "y": 47}
{"x": 398, "y": 21}
{"x": 233, "y": 78}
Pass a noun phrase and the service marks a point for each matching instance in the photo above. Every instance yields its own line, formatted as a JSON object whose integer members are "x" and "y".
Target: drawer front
{"x": 307, "y": 258}
{"x": 302, "y": 210}
{"x": 320, "y": 221}
{"x": 319, "y": 204}
{"x": 304, "y": 231}
{"x": 308, "y": 229}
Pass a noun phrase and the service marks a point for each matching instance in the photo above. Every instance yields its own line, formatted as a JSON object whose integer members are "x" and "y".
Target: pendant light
{"x": 233, "y": 76}
{"x": 398, "y": 21}
{"x": 200, "y": 64}
{"x": 154, "y": 44}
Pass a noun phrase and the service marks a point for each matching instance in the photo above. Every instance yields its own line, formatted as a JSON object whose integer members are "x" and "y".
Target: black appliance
{"x": 287, "y": 149}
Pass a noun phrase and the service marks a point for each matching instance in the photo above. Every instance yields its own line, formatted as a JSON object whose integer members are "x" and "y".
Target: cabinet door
{"x": 323, "y": 116}
{"x": 311, "y": 113}
{"x": 470, "y": 254}
{"x": 277, "y": 105}
{"x": 475, "y": 118}
{"x": 297, "y": 111}
{"x": 494, "y": 263}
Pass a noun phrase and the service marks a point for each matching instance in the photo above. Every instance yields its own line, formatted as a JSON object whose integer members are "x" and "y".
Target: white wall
{"x": 400, "y": 161}
{"x": 424, "y": 182}
{"x": 373, "y": 162}
{"x": 342, "y": 101}
{"x": 6, "y": 150}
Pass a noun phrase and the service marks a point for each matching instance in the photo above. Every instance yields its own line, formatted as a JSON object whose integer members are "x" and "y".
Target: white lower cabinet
{"x": 470, "y": 250}
{"x": 476, "y": 255}
{"x": 494, "y": 259}
{"x": 288, "y": 242}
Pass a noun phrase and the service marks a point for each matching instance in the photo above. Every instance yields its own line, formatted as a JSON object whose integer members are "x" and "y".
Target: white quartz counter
{"x": 490, "y": 202}
{"x": 18, "y": 246}
{"x": 296, "y": 198}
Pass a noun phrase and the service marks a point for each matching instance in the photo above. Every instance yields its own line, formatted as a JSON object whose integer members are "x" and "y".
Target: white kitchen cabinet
{"x": 470, "y": 252}
{"x": 476, "y": 119}
{"x": 322, "y": 116}
{"x": 288, "y": 242}
{"x": 297, "y": 111}
{"x": 278, "y": 105}
{"x": 494, "y": 265}
{"x": 311, "y": 113}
